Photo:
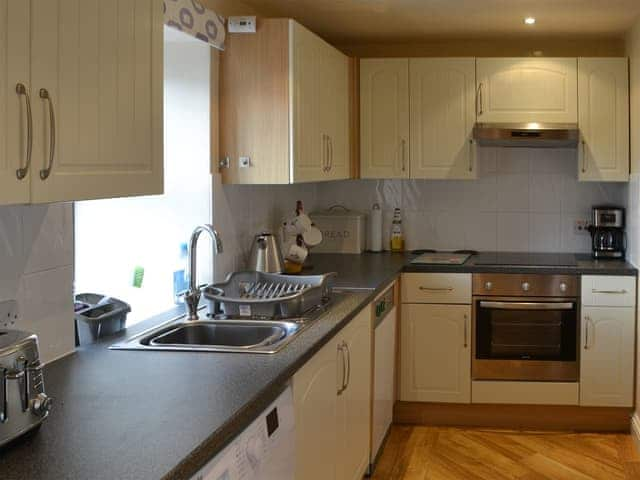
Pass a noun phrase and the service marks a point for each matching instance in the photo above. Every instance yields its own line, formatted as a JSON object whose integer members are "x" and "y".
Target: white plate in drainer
{"x": 8, "y": 314}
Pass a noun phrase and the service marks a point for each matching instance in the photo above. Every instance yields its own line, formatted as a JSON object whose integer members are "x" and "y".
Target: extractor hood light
{"x": 529, "y": 21}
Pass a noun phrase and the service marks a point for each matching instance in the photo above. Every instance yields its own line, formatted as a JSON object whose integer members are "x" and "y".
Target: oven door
{"x": 525, "y": 339}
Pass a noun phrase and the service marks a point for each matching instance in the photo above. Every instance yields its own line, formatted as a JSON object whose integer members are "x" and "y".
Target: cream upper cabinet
{"x": 284, "y": 107}
{"x": 97, "y": 83}
{"x": 384, "y": 118}
{"x": 527, "y": 90}
{"x": 315, "y": 388}
{"x": 603, "y": 95}
{"x": 607, "y": 356}
{"x": 435, "y": 353}
{"x": 442, "y": 103}
{"x": 14, "y": 100}
{"x": 88, "y": 122}
{"x": 354, "y": 403}
{"x": 334, "y": 114}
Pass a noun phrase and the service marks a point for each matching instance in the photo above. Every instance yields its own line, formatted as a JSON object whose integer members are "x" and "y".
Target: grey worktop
{"x": 149, "y": 415}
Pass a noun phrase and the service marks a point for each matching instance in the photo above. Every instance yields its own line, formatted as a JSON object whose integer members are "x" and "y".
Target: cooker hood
{"x": 549, "y": 135}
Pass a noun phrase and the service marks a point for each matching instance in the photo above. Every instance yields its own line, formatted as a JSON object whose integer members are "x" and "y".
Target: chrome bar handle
{"x": 403, "y": 147}
{"x": 344, "y": 369}
{"x": 346, "y": 347}
{"x": 609, "y": 292}
{"x": 480, "y": 101}
{"x": 45, "y": 172}
{"x": 586, "y": 332}
{"x": 466, "y": 334}
{"x": 325, "y": 153}
{"x": 22, "y": 172}
{"x": 4, "y": 414}
{"x": 584, "y": 156}
{"x": 435, "y": 289}
{"x": 330, "y": 153}
{"x": 472, "y": 154}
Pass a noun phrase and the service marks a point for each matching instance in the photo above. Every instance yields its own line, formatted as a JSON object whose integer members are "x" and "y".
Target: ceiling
{"x": 363, "y": 21}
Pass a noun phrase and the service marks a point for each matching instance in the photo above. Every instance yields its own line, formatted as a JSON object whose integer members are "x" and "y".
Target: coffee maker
{"x": 608, "y": 239}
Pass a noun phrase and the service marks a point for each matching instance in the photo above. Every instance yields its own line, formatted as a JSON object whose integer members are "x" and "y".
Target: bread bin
{"x": 23, "y": 402}
{"x": 343, "y": 230}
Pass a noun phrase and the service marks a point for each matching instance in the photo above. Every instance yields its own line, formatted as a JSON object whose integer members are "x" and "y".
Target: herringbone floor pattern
{"x": 434, "y": 453}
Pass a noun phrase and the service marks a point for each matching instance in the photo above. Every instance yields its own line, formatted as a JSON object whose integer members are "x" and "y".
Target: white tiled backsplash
{"x": 242, "y": 211}
{"x": 523, "y": 200}
{"x": 36, "y": 257}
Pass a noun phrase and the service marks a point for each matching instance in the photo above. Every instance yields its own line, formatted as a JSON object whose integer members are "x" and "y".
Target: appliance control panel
{"x": 262, "y": 451}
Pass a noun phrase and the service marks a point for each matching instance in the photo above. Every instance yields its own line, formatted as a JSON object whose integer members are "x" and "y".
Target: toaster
{"x": 23, "y": 402}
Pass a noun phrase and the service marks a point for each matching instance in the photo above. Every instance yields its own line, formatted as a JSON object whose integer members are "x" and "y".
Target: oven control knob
{"x": 41, "y": 405}
{"x": 488, "y": 286}
{"x": 563, "y": 287}
{"x": 526, "y": 286}
{"x": 254, "y": 451}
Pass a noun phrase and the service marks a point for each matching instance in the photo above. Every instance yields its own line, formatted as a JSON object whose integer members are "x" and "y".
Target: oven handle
{"x": 528, "y": 305}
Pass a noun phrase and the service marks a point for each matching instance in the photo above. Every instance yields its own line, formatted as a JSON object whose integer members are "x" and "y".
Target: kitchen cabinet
{"x": 608, "y": 325}
{"x": 516, "y": 90}
{"x": 384, "y": 118}
{"x": 14, "y": 70}
{"x": 315, "y": 404}
{"x": 603, "y": 96}
{"x": 442, "y": 103}
{"x": 354, "y": 404}
{"x": 436, "y": 353}
{"x": 333, "y": 405}
{"x": 284, "y": 107}
{"x": 94, "y": 80}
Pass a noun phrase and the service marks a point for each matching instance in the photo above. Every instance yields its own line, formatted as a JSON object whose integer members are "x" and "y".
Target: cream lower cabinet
{"x": 284, "y": 107}
{"x": 514, "y": 90}
{"x": 436, "y": 353}
{"x": 442, "y": 103}
{"x": 603, "y": 96}
{"x": 384, "y": 118}
{"x": 92, "y": 99}
{"x": 332, "y": 405}
{"x": 315, "y": 402}
{"x": 354, "y": 403}
{"x": 608, "y": 325}
{"x": 14, "y": 70}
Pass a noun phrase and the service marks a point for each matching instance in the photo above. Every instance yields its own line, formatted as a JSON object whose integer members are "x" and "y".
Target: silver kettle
{"x": 265, "y": 254}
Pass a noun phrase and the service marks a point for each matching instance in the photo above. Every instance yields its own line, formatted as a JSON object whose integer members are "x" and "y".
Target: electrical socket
{"x": 581, "y": 226}
{"x": 8, "y": 314}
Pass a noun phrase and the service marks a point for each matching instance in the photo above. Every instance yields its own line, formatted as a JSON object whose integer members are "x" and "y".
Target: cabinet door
{"x": 314, "y": 397}
{"x": 354, "y": 404}
{"x": 335, "y": 112}
{"x": 101, "y": 64}
{"x": 606, "y": 358}
{"x": 310, "y": 146}
{"x": 527, "y": 90}
{"x": 14, "y": 70}
{"x": 436, "y": 353}
{"x": 603, "y": 95}
{"x": 442, "y": 103}
{"x": 384, "y": 118}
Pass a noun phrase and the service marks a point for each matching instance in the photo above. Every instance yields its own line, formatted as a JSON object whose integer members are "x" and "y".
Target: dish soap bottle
{"x": 397, "y": 238}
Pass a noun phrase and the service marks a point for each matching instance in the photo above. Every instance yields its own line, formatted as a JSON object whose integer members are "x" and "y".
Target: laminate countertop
{"x": 162, "y": 415}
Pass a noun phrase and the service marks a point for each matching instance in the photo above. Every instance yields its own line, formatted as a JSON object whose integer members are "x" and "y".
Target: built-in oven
{"x": 525, "y": 327}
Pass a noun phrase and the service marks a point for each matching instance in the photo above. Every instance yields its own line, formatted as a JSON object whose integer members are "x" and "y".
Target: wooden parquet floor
{"x": 436, "y": 453}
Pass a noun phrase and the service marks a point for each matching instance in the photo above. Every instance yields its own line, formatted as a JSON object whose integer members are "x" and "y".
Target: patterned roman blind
{"x": 191, "y": 17}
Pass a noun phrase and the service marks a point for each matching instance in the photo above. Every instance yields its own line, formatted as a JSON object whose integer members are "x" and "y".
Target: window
{"x": 119, "y": 242}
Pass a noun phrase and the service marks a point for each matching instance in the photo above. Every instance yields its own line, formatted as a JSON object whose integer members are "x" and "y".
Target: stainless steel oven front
{"x": 525, "y": 327}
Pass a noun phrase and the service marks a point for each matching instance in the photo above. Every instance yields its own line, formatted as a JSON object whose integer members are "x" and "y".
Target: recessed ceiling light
{"x": 529, "y": 20}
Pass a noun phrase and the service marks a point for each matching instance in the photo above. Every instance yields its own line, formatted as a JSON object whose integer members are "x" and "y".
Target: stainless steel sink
{"x": 228, "y": 335}
{"x": 234, "y": 334}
